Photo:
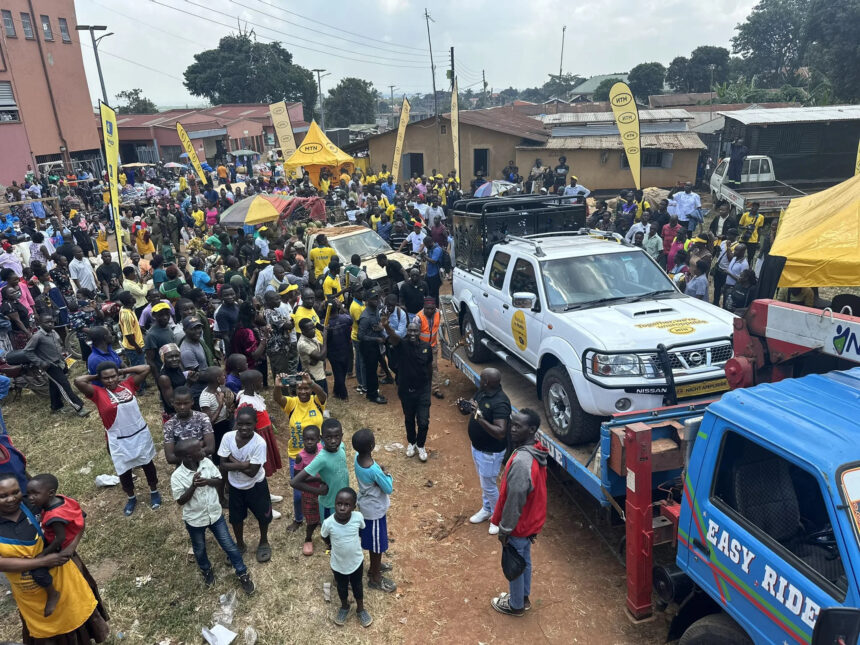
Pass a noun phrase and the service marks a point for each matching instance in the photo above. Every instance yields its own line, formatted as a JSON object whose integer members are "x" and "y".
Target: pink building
{"x": 45, "y": 109}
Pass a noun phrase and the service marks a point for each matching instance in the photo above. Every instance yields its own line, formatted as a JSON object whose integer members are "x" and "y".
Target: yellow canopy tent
{"x": 819, "y": 236}
{"x": 317, "y": 152}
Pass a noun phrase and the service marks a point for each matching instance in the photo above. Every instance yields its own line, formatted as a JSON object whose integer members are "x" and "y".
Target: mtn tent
{"x": 317, "y": 152}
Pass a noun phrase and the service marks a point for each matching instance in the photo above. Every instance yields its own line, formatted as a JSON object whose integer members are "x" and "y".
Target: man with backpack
{"x": 432, "y": 253}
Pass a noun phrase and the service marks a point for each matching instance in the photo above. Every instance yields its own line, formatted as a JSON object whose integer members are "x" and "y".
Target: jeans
{"x": 434, "y": 283}
{"x": 225, "y": 541}
{"x": 359, "y": 364}
{"x": 522, "y": 586}
{"x": 298, "y": 515}
{"x": 488, "y": 465}
{"x": 135, "y": 358}
{"x": 416, "y": 410}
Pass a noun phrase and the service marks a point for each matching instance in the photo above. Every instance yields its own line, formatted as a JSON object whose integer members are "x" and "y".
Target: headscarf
{"x": 166, "y": 349}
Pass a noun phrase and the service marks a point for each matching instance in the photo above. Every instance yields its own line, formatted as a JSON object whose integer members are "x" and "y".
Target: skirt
{"x": 273, "y": 453}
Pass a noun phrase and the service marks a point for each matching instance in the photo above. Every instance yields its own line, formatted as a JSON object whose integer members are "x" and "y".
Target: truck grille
{"x": 688, "y": 359}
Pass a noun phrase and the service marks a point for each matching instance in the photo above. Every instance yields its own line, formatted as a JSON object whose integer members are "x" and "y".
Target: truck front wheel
{"x": 569, "y": 422}
{"x": 476, "y": 351}
{"x": 715, "y": 629}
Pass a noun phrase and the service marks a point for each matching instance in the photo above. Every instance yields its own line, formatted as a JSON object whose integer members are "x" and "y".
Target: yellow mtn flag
{"x": 455, "y": 127}
{"x": 627, "y": 117}
{"x": 189, "y": 149}
{"x": 283, "y": 128}
{"x": 110, "y": 134}
{"x": 401, "y": 134}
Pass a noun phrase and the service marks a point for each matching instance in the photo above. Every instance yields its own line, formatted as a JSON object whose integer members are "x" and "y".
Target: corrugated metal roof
{"x": 795, "y": 115}
{"x": 608, "y": 117}
{"x": 666, "y": 141}
{"x": 588, "y": 86}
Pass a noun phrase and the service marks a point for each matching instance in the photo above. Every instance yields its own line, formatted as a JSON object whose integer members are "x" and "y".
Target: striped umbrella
{"x": 254, "y": 210}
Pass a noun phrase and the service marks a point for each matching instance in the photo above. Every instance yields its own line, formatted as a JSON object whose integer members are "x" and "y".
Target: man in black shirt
{"x": 394, "y": 271}
{"x": 413, "y": 292}
{"x": 414, "y": 360}
{"x": 488, "y": 432}
{"x": 109, "y": 275}
{"x": 67, "y": 248}
{"x": 370, "y": 342}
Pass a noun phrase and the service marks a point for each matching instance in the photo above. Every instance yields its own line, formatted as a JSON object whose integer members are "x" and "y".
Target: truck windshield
{"x": 578, "y": 282}
{"x": 367, "y": 244}
{"x": 851, "y": 491}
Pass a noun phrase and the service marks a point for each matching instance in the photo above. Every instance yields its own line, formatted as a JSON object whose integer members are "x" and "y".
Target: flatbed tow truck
{"x": 756, "y": 494}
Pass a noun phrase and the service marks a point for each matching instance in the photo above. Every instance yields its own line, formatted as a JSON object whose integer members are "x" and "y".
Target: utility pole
{"x": 452, "y": 68}
{"x": 391, "y": 120}
{"x": 561, "y": 58}
{"x": 484, "y": 87}
{"x": 93, "y": 29}
{"x": 319, "y": 91}
{"x": 427, "y": 18}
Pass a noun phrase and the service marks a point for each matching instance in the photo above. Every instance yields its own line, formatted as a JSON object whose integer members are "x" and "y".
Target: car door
{"x": 493, "y": 294}
{"x": 753, "y": 166}
{"x": 719, "y": 176}
{"x": 522, "y": 328}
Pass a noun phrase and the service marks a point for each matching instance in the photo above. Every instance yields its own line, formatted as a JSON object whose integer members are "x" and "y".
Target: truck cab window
{"x": 498, "y": 270}
{"x": 783, "y": 504}
{"x": 721, "y": 169}
{"x": 523, "y": 278}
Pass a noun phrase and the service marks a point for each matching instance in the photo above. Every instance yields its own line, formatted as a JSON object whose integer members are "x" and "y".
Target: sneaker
{"x": 364, "y": 618}
{"x": 422, "y": 454}
{"x": 130, "y": 505}
{"x": 360, "y": 389}
{"x": 276, "y": 498}
{"x": 248, "y": 585}
{"x": 494, "y": 529}
{"x": 154, "y": 500}
{"x": 481, "y": 516}
{"x": 84, "y": 412}
{"x": 410, "y": 450}
{"x": 208, "y": 577}
{"x": 275, "y": 515}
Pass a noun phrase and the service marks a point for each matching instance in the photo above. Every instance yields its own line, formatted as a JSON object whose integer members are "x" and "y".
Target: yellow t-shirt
{"x": 748, "y": 220}
{"x": 101, "y": 242}
{"x": 122, "y": 179}
{"x": 129, "y": 326}
{"x": 303, "y": 312}
{"x": 308, "y": 413}
{"x": 374, "y": 221}
{"x": 199, "y": 218}
{"x": 320, "y": 256}
{"x": 355, "y": 309}
{"x": 183, "y": 183}
{"x": 324, "y": 186}
{"x": 331, "y": 286}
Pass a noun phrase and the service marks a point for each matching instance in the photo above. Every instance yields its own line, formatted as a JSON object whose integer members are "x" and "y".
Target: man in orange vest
{"x": 429, "y": 318}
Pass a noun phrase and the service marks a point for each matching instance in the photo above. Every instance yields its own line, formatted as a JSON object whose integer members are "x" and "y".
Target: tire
{"x": 568, "y": 421}
{"x": 476, "y": 351}
{"x": 72, "y": 346}
{"x": 715, "y": 629}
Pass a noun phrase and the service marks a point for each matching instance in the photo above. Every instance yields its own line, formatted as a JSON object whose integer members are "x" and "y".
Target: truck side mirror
{"x": 524, "y": 300}
{"x": 837, "y": 626}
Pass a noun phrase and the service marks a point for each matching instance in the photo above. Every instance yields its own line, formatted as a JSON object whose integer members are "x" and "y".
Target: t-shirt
{"x": 355, "y": 309}
{"x": 194, "y": 427}
{"x": 306, "y": 312}
{"x": 156, "y": 338}
{"x": 413, "y": 296}
{"x": 346, "y": 553}
{"x": 435, "y": 254}
{"x": 698, "y": 287}
{"x": 202, "y": 281}
{"x": 416, "y": 240}
{"x": 331, "y": 286}
{"x": 331, "y": 468}
{"x": 203, "y": 509}
{"x": 69, "y": 514}
{"x": 306, "y": 347}
{"x": 193, "y": 355}
{"x": 321, "y": 256}
{"x": 96, "y": 357}
{"x": 305, "y": 413}
{"x": 129, "y": 326}
{"x": 374, "y": 487}
{"x": 107, "y": 405}
{"x": 492, "y": 407}
{"x": 209, "y": 400}
{"x": 107, "y": 273}
{"x": 254, "y": 451}
{"x": 82, "y": 271}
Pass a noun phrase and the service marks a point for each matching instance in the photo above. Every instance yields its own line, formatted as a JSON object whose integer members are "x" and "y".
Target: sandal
{"x": 308, "y": 548}
{"x": 527, "y": 604}
{"x": 385, "y": 566}
{"x": 384, "y": 584}
{"x": 341, "y": 616}
{"x": 264, "y": 553}
{"x": 503, "y": 606}
{"x": 438, "y": 394}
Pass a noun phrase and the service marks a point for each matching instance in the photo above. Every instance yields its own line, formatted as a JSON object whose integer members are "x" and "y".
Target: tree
{"x": 676, "y": 75}
{"x": 646, "y": 79}
{"x": 771, "y": 39}
{"x": 560, "y": 86}
{"x": 699, "y": 73}
{"x": 509, "y": 95}
{"x": 533, "y": 94}
{"x": 242, "y": 70}
{"x": 351, "y": 101}
{"x": 833, "y": 47}
{"x": 601, "y": 92}
{"x": 134, "y": 103}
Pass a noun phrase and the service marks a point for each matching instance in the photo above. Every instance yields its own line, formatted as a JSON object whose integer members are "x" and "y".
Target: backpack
{"x": 445, "y": 261}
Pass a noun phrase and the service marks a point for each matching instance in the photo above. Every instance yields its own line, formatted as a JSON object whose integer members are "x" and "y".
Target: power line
{"x": 317, "y": 31}
{"x": 133, "y": 62}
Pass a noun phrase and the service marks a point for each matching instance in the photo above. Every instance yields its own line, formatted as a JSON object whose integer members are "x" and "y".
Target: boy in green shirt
{"x": 329, "y": 465}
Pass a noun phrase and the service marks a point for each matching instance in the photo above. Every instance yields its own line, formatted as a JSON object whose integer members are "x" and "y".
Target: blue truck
{"x": 758, "y": 492}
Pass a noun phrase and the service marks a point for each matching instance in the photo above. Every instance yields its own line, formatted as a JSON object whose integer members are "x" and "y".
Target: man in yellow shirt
{"x": 355, "y": 309}
{"x": 331, "y": 284}
{"x": 222, "y": 173}
{"x": 320, "y": 256}
{"x": 306, "y": 310}
{"x": 199, "y": 216}
{"x": 132, "y": 336}
{"x": 749, "y": 226}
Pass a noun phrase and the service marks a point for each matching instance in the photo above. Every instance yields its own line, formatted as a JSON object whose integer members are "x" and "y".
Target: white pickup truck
{"x": 594, "y": 323}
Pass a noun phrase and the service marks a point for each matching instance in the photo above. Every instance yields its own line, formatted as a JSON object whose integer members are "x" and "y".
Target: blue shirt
{"x": 96, "y": 357}
{"x": 436, "y": 256}
{"x": 5, "y": 382}
{"x": 374, "y": 487}
{"x": 384, "y": 230}
{"x": 389, "y": 189}
{"x": 202, "y": 281}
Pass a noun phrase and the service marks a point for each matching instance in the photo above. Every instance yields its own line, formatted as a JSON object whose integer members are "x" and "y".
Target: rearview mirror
{"x": 524, "y": 300}
{"x": 837, "y": 626}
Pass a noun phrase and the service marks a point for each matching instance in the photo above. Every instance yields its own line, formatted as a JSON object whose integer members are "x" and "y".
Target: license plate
{"x": 700, "y": 389}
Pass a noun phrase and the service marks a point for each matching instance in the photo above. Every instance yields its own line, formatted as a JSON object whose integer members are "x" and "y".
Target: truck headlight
{"x": 616, "y": 365}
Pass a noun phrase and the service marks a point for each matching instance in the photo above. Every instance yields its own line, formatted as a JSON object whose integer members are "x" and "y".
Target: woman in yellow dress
{"x": 101, "y": 240}
{"x": 143, "y": 241}
{"x": 79, "y": 617}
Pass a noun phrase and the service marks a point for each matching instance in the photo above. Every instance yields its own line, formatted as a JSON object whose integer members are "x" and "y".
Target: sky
{"x": 516, "y": 43}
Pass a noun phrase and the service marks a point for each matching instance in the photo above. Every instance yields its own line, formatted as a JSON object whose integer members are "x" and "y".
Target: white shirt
{"x": 262, "y": 244}
{"x": 417, "y": 240}
{"x": 254, "y": 451}
{"x": 579, "y": 189}
{"x": 437, "y": 211}
{"x": 203, "y": 509}
{"x": 685, "y": 203}
{"x": 736, "y": 267}
{"x": 82, "y": 271}
{"x": 638, "y": 227}
{"x": 263, "y": 278}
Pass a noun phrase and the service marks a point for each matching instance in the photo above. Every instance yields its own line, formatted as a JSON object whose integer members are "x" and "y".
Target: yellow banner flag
{"x": 627, "y": 117}
{"x": 110, "y": 134}
{"x": 283, "y": 128}
{"x": 857, "y": 163}
{"x": 192, "y": 155}
{"x": 455, "y": 127}
{"x": 401, "y": 134}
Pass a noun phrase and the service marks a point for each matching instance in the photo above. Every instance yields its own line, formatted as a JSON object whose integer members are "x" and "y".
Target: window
{"x": 8, "y": 24}
{"x": 481, "y": 161}
{"x": 64, "y": 30}
{"x": 47, "y": 32}
{"x": 523, "y": 278}
{"x": 765, "y": 166}
{"x": 651, "y": 159}
{"x": 498, "y": 270}
{"x": 444, "y": 129}
{"x": 27, "y": 26}
{"x": 782, "y": 504}
{"x": 8, "y": 107}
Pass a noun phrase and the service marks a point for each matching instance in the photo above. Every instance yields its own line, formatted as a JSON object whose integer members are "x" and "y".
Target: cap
{"x": 299, "y": 245}
{"x": 287, "y": 288}
{"x": 160, "y": 306}
{"x": 699, "y": 240}
{"x": 574, "y": 177}
{"x": 191, "y": 321}
{"x": 373, "y": 293}
{"x": 263, "y": 228}
{"x": 429, "y": 301}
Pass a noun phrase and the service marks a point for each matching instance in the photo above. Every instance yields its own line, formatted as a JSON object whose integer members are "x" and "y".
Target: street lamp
{"x": 93, "y": 29}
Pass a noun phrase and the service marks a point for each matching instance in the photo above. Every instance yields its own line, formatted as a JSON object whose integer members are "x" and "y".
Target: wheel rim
{"x": 469, "y": 338}
{"x": 558, "y": 403}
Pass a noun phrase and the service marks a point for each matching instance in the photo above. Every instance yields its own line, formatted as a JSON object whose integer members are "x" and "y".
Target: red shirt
{"x": 68, "y": 513}
{"x": 124, "y": 392}
{"x": 669, "y": 233}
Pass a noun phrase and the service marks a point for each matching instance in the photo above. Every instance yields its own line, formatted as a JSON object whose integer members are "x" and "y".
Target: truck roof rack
{"x": 590, "y": 232}
{"x": 515, "y": 238}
